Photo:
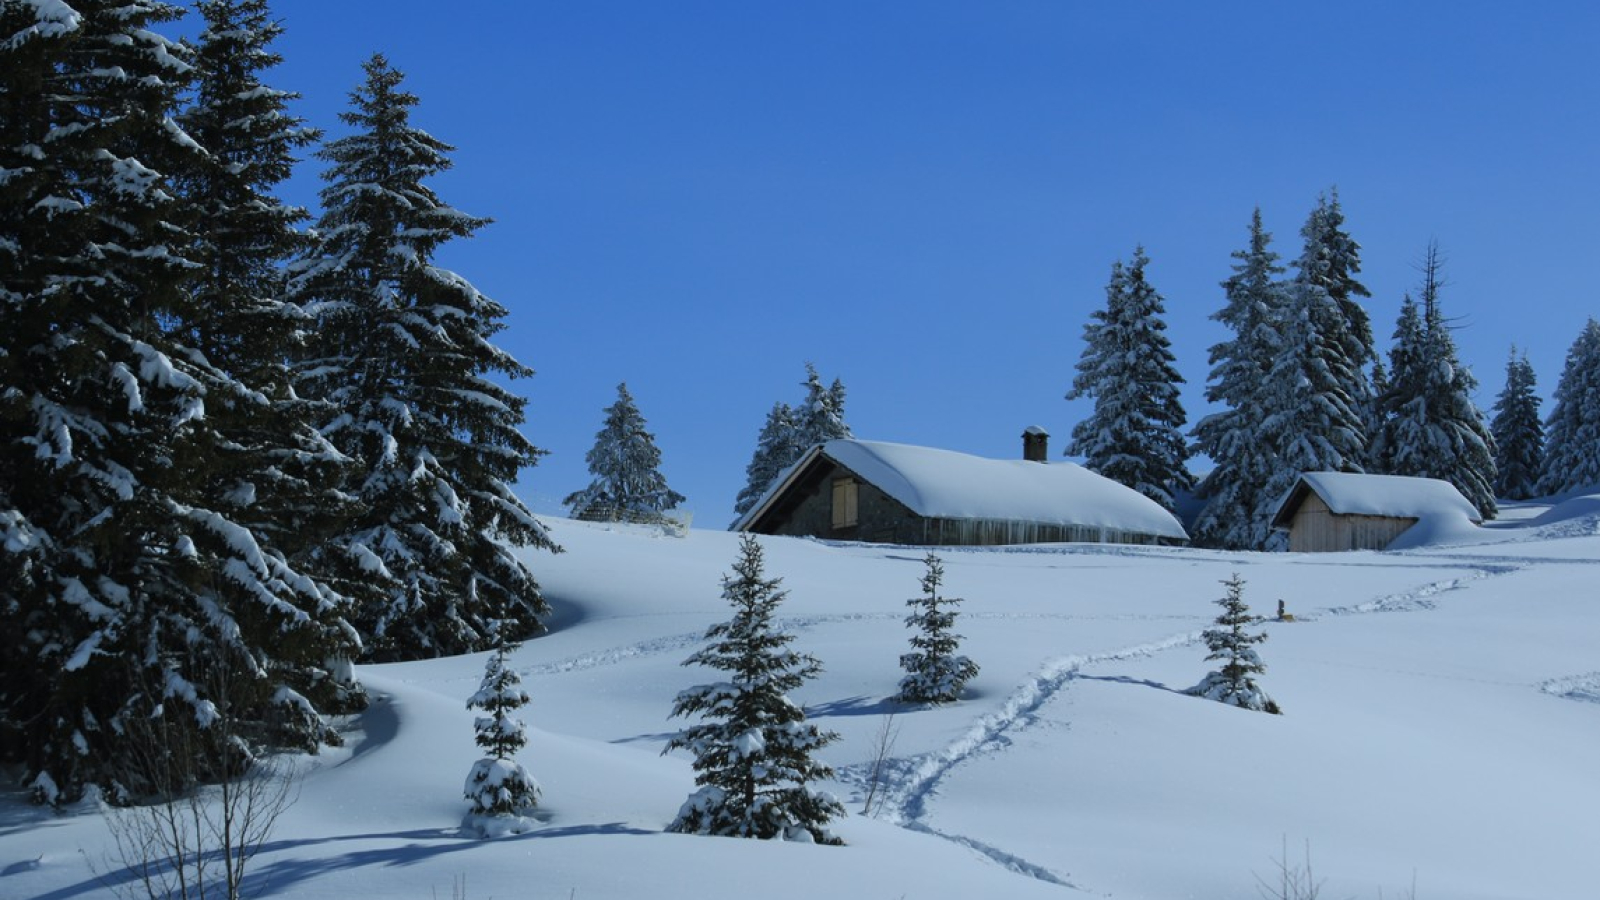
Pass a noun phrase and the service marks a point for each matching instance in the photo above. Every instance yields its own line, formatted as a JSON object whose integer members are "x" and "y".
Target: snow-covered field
{"x": 1442, "y": 719}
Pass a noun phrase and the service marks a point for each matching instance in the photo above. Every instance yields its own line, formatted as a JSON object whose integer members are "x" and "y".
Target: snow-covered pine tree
{"x": 820, "y": 417}
{"x": 273, "y": 472}
{"x": 1432, "y": 428}
{"x": 1330, "y": 260}
{"x": 401, "y": 350}
{"x": 1518, "y": 432}
{"x": 626, "y": 465}
{"x": 753, "y": 748}
{"x": 1572, "y": 433}
{"x": 789, "y": 432}
{"x": 1234, "y": 517}
{"x": 935, "y": 673}
{"x": 1316, "y": 391}
{"x": 1403, "y": 385}
{"x": 775, "y": 451}
{"x": 1229, "y": 643}
{"x": 123, "y": 590}
{"x": 1374, "y": 416}
{"x": 500, "y": 788}
{"x": 1135, "y": 434}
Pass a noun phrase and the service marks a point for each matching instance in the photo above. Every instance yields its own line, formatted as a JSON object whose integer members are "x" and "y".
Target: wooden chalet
{"x": 880, "y": 492}
{"x": 1334, "y": 511}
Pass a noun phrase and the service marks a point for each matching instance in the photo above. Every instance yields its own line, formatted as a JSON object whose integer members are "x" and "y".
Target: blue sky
{"x": 924, "y": 199}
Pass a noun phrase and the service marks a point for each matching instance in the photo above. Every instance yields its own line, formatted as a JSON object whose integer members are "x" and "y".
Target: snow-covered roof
{"x": 944, "y": 484}
{"x": 1394, "y": 496}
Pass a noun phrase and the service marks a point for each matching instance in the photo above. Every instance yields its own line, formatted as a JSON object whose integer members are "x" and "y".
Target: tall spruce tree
{"x": 1135, "y": 434}
{"x": 775, "y": 451}
{"x": 1572, "y": 434}
{"x": 125, "y": 588}
{"x": 820, "y": 417}
{"x": 753, "y": 751}
{"x": 401, "y": 350}
{"x": 1316, "y": 392}
{"x": 1518, "y": 432}
{"x": 1234, "y": 516}
{"x": 273, "y": 471}
{"x": 626, "y": 465}
{"x": 789, "y": 432}
{"x": 1432, "y": 428}
{"x": 1331, "y": 260}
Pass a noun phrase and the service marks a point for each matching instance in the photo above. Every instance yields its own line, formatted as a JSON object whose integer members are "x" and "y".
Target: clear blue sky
{"x": 925, "y": 198}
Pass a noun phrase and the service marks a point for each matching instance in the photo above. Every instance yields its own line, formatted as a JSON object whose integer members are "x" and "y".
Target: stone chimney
{"x": 1035, "y": 444}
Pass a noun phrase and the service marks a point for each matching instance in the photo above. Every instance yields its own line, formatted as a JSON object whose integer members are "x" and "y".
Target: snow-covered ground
{"x": 1442, "y": 718}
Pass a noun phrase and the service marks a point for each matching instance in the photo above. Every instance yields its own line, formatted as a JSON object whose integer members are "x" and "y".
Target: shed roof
{"x": 1390, "y": 496}
{"x": 944, "y": 484}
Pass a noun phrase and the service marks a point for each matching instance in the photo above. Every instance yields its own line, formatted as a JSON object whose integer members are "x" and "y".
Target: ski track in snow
{"x": 915, "y": 780}
{"x": 905, "y": 803}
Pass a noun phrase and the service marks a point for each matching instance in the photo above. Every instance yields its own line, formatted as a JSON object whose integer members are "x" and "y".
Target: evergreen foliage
{"x": 1572, "y": 434}
{"x": 789, "y": 432}
{"x": 1518, "y": 432}
{"x": 126, "y": 580}
{"x": 1330, "y": 261}
{"x": 1135, "y": 434}
{"x": 272, "y": 470}
{"x": 1316, "y": 392}
{"x": 820, "y": 418}
{"x": 400, "y": 351}
{"x": 935, "y": 673}
{"x": 1431, "y": 426}
{"x": 498, "y": 785}
{"x": 1235, "y": 516}
{"x": 753, "y": 748}
{"x": 626, "y": 465}
{"x": 1229, "y": 643}
{"x": 775, "y": 451}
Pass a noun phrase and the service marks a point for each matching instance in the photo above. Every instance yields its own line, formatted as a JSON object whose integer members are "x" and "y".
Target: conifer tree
{"x": 498, "y": 786}
{"x": 1316, "y": 392}
{"x": 1432, "y": 428}
{"x": 820, "y": 417}
{"x": 1234, "y": 516}
{"x": 935, "y": 673}
{"x": 789, "y": 432}
{"x": 1331, "y": 259}
{"x": 753, "y": 749}
{"x": 401, "y": 349}
{"x": 123, "y": 583}
{"x": 1135, "y": 434}
{"x": 1572, "y": 434}
{"x": 626, "y": 465}
{"x": 1229, "y": 643}
{"x": 273, "y": 471}
{"x": 775, "y": 451}
{"x": 1518, "y": 432}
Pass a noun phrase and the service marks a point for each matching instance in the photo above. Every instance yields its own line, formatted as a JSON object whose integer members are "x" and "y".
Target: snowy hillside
{"x": 1442, "y": 707}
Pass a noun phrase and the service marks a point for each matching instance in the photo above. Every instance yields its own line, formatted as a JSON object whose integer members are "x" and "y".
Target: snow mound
{"x": 1577, "y": 515}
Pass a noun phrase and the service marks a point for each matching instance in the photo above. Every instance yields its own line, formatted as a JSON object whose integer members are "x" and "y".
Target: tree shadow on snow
{"x": 282, "y": 876}
{"x": 1123, "y": 679}
{"x": 660, "y": 737}
{"x": 856, "y": 706}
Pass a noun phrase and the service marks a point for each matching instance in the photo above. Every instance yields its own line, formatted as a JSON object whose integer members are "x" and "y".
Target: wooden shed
{"x": 1334, "y": 511}
{"x": 880, "y": 492}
